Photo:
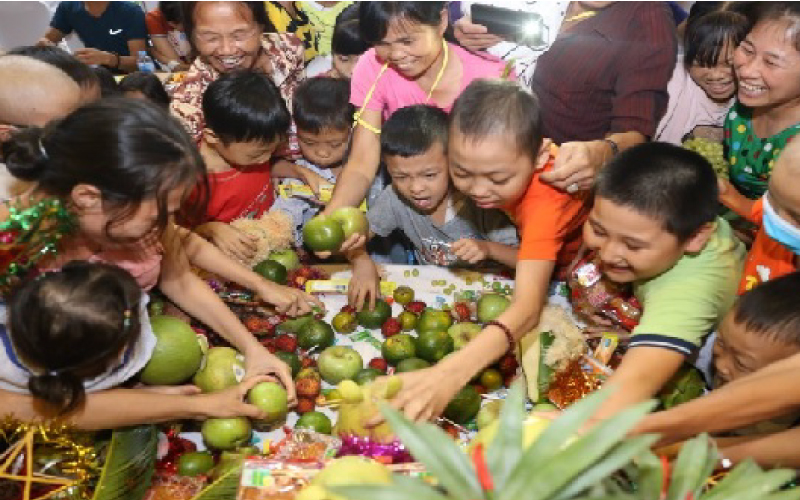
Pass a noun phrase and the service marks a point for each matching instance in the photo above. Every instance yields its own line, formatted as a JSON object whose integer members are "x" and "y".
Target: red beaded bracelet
{"x": 507, "y": 331}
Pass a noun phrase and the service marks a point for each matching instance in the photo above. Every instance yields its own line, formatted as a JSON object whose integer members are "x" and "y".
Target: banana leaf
{"x": 129, "y": 466}
{"x": 224, "y": 488}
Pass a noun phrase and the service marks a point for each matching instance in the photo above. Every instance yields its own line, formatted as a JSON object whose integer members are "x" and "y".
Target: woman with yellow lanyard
{"x": 410, "y": 63}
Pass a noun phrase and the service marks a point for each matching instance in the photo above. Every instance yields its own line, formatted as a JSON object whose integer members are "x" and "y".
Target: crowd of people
{"x": 519, "y": 154}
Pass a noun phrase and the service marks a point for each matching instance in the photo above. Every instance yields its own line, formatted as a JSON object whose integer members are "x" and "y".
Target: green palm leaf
{"x": 437, "y": 451}
{"x": 129, "y": 464}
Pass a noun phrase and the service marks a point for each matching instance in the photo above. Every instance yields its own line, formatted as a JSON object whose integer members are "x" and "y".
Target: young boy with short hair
{"x": 654, "y": 225}
{"x": 246, "y": 120}
{"x": 323, "y": 117}
{"x": 444, "y": 226}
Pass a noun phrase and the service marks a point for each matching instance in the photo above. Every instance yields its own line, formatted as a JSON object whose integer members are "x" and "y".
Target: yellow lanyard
{"x": 375, "y": 130}
{"x": 581, "y": 16}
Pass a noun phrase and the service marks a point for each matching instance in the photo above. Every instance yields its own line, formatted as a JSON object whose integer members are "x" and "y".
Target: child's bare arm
{"x": 769, "y": 450}
{"x": 125, "y": 407}
{"x": 476, "y": 251}
{"x": 642, "y": 373}
{"x": 765, "y": 394}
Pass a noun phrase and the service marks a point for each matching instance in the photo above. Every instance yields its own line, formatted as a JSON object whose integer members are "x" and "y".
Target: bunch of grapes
{"x": 711, "y": 151}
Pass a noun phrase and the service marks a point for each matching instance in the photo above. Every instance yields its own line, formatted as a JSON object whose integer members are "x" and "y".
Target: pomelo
{"x": 226, "y": 433}
{"x": 223, "y": 368}
{"x": 177, "y": 354}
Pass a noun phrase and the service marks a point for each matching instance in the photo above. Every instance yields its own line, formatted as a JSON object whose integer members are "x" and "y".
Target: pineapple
{"x": 558, "y": 466}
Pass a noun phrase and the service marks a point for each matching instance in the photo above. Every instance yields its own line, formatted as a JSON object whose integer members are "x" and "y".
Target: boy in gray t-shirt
{"x": 445, "y": 227}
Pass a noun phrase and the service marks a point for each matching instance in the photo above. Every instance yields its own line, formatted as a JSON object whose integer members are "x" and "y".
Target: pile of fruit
{"x": 711, "y": 151}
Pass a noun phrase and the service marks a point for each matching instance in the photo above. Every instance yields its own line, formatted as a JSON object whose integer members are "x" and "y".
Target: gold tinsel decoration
{"x": 79, "y": 461}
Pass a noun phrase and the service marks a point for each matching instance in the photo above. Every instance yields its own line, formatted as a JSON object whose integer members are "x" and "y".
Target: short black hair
{"x": 411, "y": 131}
{"x": 374, "y": 17}
{"x": 108, "y": 84}
{"x": 490, "y": 107}
{"x": 772, "y": 309}
{"x": 323, "y": 103}
{"x": 80, "y": 72}
{"x": 171, "y": 11}
{"x": 666, "y": 182}
{"x": 244, "y": 106}
{"x": 778, "y": 11}
{"x": 146, "y": 83}
{"x": 347, "y": 39}
{"x": 707, "y": 34}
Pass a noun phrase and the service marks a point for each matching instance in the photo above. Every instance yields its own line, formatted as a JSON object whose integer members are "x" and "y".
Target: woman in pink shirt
{"x": 410, "y": 63}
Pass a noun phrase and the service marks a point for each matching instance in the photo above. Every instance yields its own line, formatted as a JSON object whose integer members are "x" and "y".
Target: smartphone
{"x": 513, "y": 25}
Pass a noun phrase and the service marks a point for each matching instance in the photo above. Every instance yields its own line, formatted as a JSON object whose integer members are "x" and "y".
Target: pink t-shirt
{"x": 394, "y": 91}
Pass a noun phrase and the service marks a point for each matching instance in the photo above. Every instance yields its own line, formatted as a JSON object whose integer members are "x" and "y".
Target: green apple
{"x": 490, "y": 306}
{"x": 323, "y": 234}
{"x": 352, "y": 220}
{"x": 287, "y": 258}
{"x": 339, "y": 363}
{"x": 226, "y": 433}
{"x": 271, "y": 398}
{"x": 463, "y": 333}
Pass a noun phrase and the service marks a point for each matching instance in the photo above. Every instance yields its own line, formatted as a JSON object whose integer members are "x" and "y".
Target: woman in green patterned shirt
{"x": 767, "y": 112}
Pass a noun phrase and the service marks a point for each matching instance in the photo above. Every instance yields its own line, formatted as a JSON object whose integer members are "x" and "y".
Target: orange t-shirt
{"x": 549, "y": 220}
{"x": 767, "y": 258}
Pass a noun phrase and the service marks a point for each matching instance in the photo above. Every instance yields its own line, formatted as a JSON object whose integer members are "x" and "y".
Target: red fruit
{"x": 269, "y": 343}
{"x": 391, "y": 327}
{"x": 508, "y": 365}
{"x": 305, "y": 405}
{"x": 451, "y": 429}
{"x": 306, "y": 272}
{"x": 308, "y": 387}
{"x": 379, "y": 364}
{"x": 308, "y": 362}
{"x": 415, "y": 306}
{"x": 461, "y": 312}
{"x": 348, "y": 309}
{"x": 508, "y": 380}
{"x": 481, "y": 389}
{"x": 286, "y": 343}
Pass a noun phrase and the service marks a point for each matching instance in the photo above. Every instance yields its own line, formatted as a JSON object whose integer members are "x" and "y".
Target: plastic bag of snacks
{"x": 592, "y": 294}
{"x": 268, "y": 479}
{"x": 303, "y": 445}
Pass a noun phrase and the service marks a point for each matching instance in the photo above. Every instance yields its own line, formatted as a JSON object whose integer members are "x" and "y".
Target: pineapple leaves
{"x": 441, "y": 456}
{"x": 617, "y": 458}
{"x": 648, "y": 474}
{"x": 402, "y": 488}
{"x": 553, "y": 474}
{"x": 695, "y": 463}
{"x": 506, "y": 449}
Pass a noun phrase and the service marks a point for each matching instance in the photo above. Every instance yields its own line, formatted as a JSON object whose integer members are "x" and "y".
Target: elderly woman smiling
{"x": 231, "y": 36}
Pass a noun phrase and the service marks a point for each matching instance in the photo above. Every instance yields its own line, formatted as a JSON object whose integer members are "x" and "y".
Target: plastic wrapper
{"x": 306, "y": 446}
{"x": 437, "y": 252}
{"x": 591, "y": 294}
{"x": 578, "y": 379}
{"x": 174, "y": 487}
{"x": 392, "y": 452}
{"x": 269, "y": 479}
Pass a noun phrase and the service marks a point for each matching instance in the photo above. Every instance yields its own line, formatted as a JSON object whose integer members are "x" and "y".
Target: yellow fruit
{"x": 491, "y": 379}
{"x": 532, "y": 429}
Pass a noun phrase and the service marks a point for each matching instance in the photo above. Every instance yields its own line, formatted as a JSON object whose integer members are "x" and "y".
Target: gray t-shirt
{"x": 431, "y": 242}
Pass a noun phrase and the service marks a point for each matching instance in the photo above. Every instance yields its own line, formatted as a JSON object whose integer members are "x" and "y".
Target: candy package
{"x": 591, "y": 294}
{"x": 437, "y": 252}
{"x": 267, "y": 479}
{"x": 578, "y": 379}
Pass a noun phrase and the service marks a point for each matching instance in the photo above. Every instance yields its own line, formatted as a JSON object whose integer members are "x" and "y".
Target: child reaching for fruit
{"x": 496, "y": 154}
{"x": 84, "y": 329}
{"x": 444, "y": 226}
{"x": 246, "y": 121}
{"x": 323, "y": 116}
{"x": 762, "y": 329}
{"x": 109, "y": 178}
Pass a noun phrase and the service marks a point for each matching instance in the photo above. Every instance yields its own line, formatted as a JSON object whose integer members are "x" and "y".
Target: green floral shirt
{"x": 751, "y": 157}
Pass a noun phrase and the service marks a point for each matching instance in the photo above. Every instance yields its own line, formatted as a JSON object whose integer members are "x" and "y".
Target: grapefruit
{"x": 464, "y": 405}
{"x": 376, "y": 317}
{"x": 177, "y": 354}
{"x": 224, "y": 367}
{"x": 226, "y": 433}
